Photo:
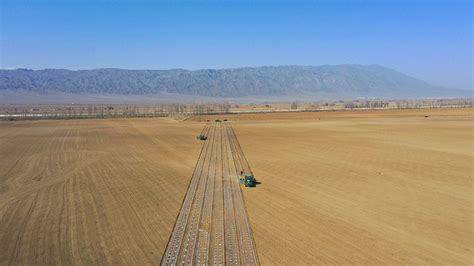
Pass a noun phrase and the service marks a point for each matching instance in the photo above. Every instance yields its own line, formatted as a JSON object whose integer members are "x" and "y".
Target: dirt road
{"x": 212, "y": 226}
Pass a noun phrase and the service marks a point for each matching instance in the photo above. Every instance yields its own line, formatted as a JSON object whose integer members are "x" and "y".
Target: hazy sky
{"x": 431, "y": 40}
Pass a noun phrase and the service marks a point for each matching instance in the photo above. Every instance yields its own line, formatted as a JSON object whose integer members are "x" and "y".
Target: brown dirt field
{"x": 337, "y": 187}
{"x": 361, "y": 187}
{"x": 92, "y": 191}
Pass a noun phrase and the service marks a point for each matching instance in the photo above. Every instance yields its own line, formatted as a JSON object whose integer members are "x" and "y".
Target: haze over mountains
{"x": 292, "y": 82}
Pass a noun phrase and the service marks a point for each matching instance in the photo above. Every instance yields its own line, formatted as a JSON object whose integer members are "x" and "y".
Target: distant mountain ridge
{"x": 326, "y": 81}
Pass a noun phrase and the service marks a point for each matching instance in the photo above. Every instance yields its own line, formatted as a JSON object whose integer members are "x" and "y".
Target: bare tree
{"x": 294, "y": 105}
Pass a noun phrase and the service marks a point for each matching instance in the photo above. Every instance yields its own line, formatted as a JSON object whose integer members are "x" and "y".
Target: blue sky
{"x": 431, "y": 40}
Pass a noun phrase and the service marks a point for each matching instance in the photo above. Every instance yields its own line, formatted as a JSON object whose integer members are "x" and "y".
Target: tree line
{"x": 182, "y": 110}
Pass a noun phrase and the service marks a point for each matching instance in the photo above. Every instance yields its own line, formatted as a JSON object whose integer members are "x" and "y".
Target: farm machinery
{"x": 201, "y": 137}
{"x": 249, "y": 180}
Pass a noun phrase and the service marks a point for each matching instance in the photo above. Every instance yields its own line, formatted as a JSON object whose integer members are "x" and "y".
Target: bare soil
{"x": 361, "y": 187}
{"x": 337, "y": 187}
{"x": 92, "y": 191}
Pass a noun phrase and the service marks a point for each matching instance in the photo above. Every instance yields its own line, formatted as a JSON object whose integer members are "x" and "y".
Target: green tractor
{"x": 250, "y": 181}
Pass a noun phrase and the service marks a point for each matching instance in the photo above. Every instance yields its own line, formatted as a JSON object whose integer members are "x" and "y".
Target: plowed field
{"x": 92, "y": 191}
{"x": 337, "y": 187}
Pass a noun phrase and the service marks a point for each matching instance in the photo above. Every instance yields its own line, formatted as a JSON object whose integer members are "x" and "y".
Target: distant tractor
{"x": 201, "y": 137}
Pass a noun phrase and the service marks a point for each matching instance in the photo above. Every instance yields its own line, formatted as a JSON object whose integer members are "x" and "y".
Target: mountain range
{"x": 292, "y": 82}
